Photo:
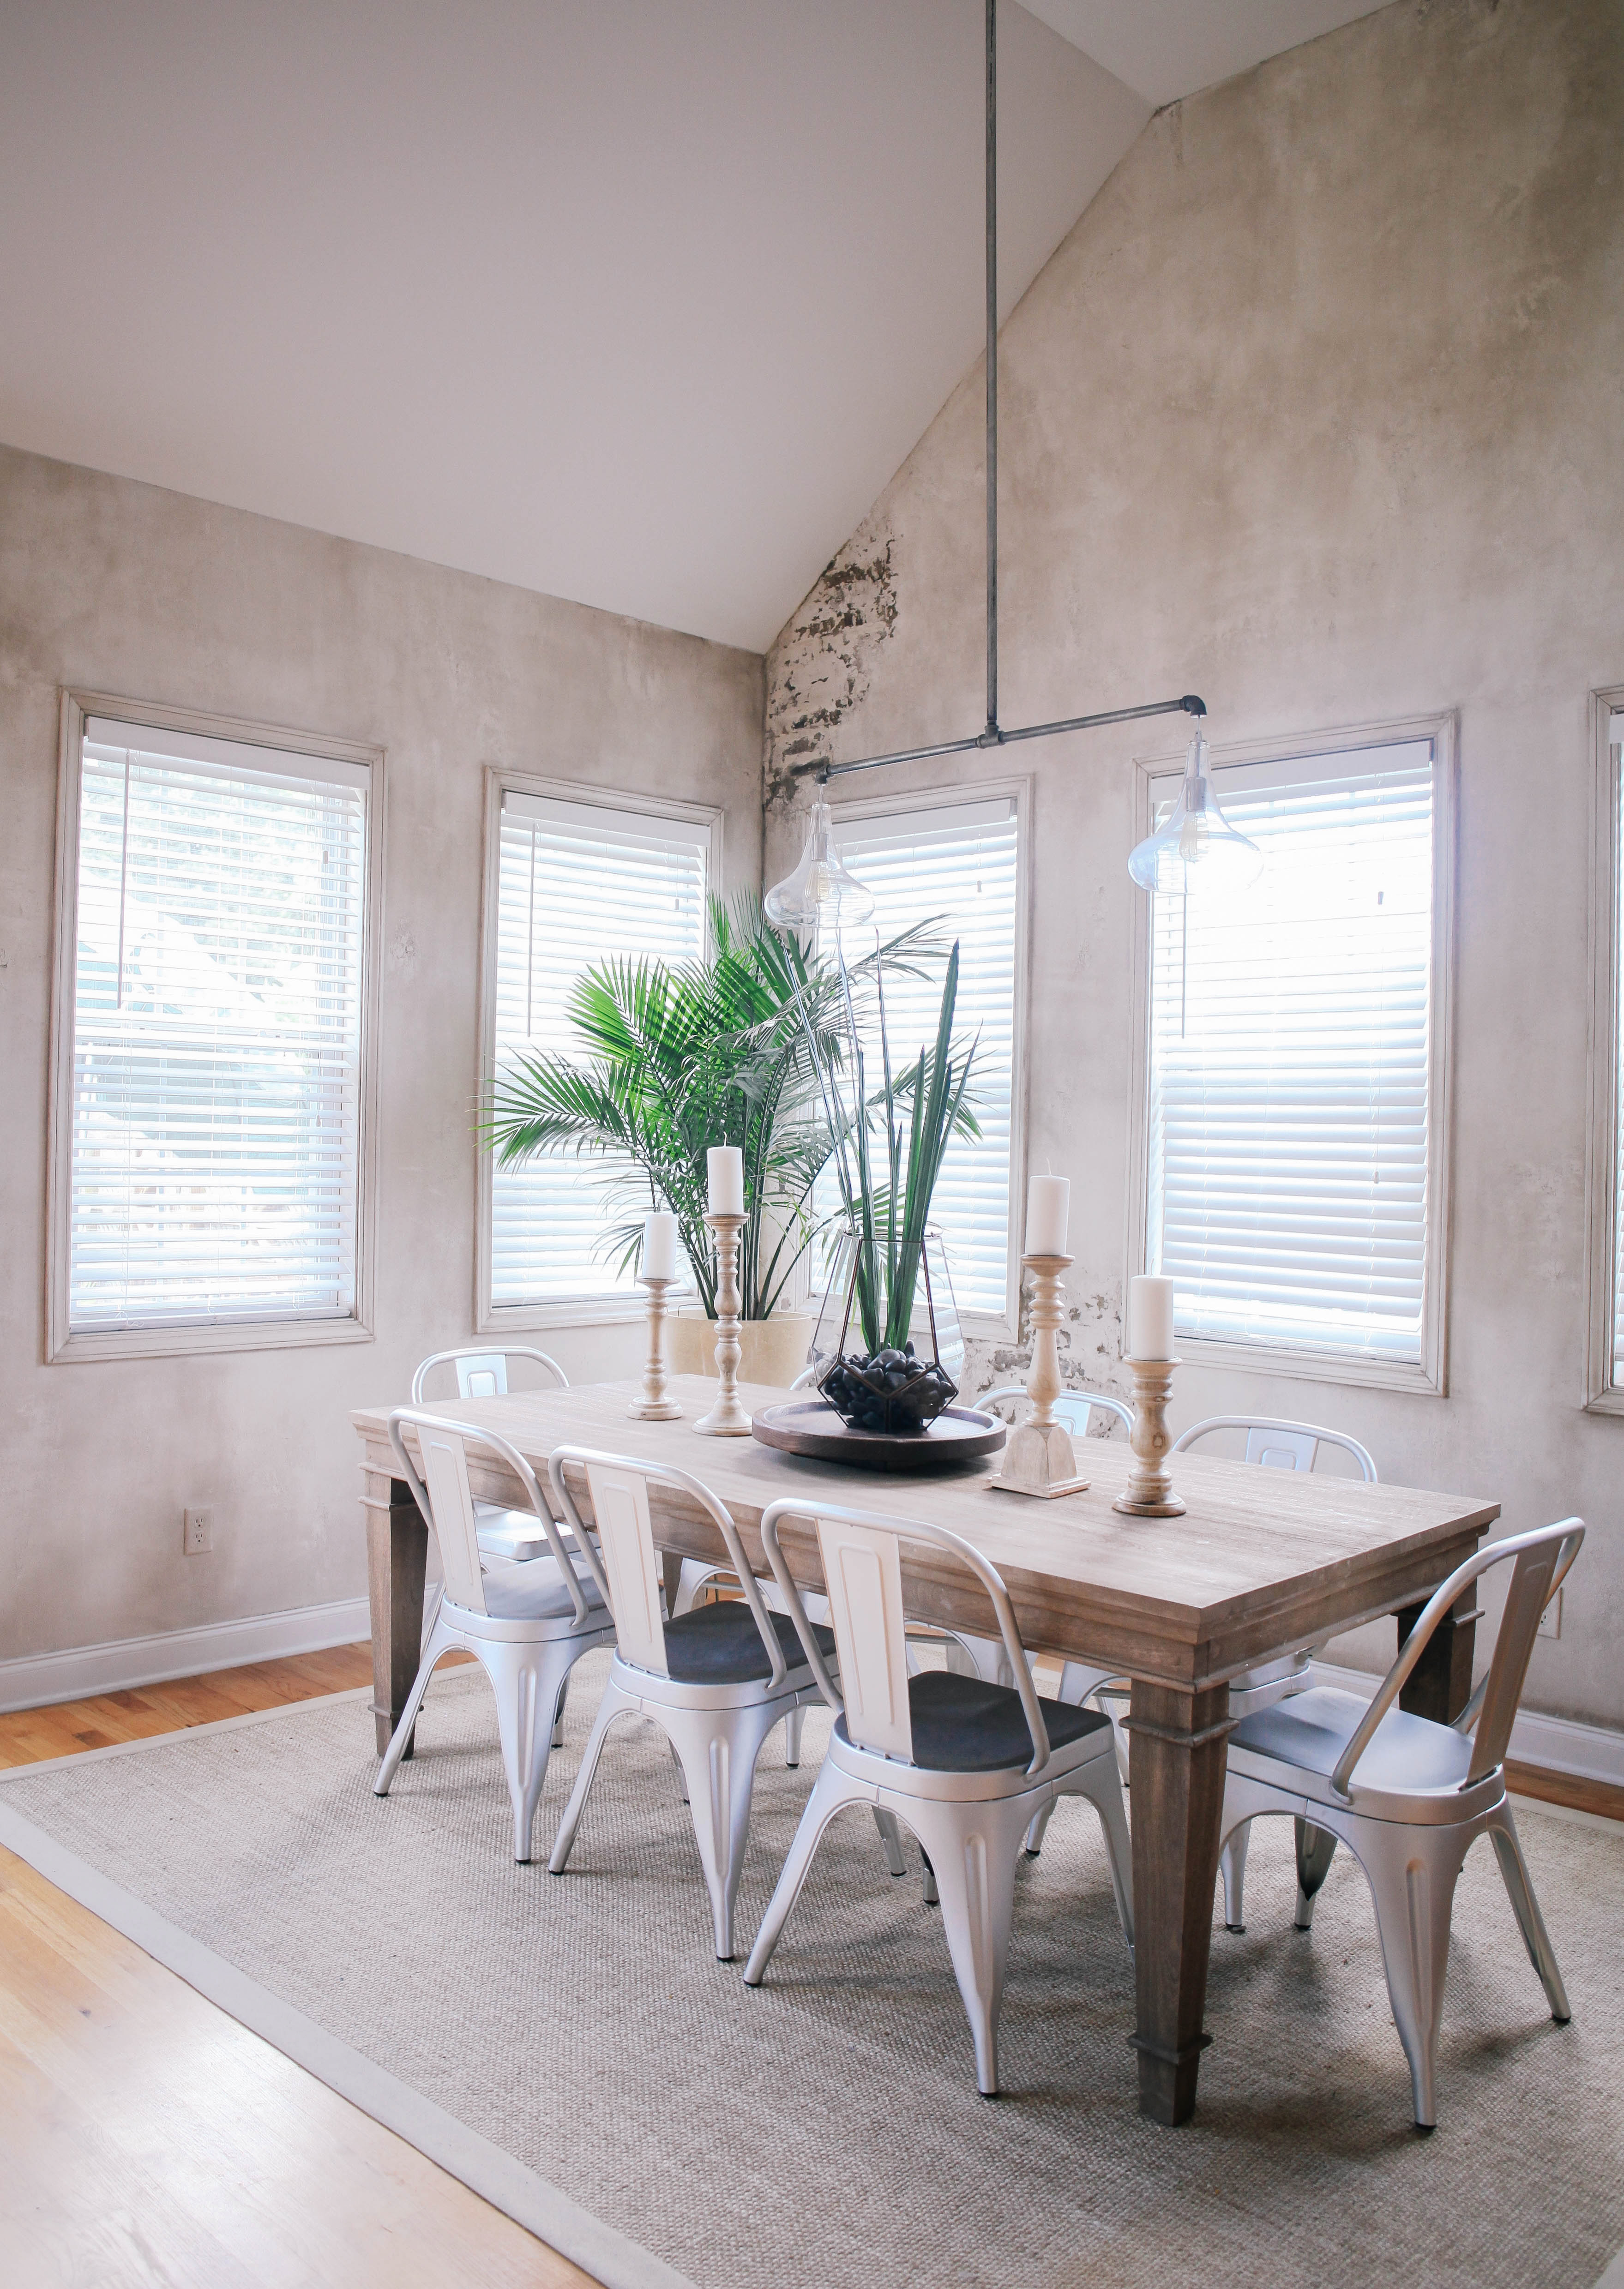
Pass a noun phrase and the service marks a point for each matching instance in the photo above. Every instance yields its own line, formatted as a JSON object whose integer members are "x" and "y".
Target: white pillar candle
{"x": 659, "y": 1246}
{"x": 724, "y": 1172}
{"x": 1151, "y": 1318}
{"x": 1048, "y": 1198}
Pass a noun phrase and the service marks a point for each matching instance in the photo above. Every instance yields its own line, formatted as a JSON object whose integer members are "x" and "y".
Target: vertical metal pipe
{"x": 992, "y": 365}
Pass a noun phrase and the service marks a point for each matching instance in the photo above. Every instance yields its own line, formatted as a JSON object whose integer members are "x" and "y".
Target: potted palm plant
{"x": 733, "y": 1048}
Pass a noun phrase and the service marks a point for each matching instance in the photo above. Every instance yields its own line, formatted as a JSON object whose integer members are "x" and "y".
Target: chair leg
{"x": 832, "y": 1790}
{"x": 564, "y": 1695}
{"x": 440, "y": 1640}
{"x": 615, "y": 1703}
{"x": 793, "y": 1725}
{"x": 1316, "y": 1850}
{"x": 1412, "y": 1872}
{"x": 1531, "y": 1923}
{"x": 1232, "y": 1867}
{"x": 891, "y": 1838}
{"x": 972, "y": 1849}
{"x": 718, "y": 1748}
{"x": 1039, "y": 1828}
{"x": 528, "y": 1680}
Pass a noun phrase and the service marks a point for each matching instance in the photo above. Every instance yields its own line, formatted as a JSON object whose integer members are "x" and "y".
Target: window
{"x": 209, "y": 1105}
{"x": 1296, "y": 1067}
{"x": 1604, "y": 1348}
{"x": 958, "y": 863}
{"x": 573, "y": 882}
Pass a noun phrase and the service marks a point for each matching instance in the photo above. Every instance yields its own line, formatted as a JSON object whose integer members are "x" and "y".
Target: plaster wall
{"x": 128, "y": 589}
{"x": 1317, "y": 411}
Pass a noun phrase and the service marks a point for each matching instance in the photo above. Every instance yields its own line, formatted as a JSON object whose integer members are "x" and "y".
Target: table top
{"x": 1261, "y": 1560}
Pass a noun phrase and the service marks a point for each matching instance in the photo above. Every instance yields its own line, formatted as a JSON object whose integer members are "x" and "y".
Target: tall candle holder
{"x": 656, "y": 1405}
{"x": 1148, "y": 1493}
{"x": 727, "y": 1418}
{"x": 1039, "y": 1458}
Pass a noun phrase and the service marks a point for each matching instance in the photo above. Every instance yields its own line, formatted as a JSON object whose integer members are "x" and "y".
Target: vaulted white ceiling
{"x": 639, "y": 302}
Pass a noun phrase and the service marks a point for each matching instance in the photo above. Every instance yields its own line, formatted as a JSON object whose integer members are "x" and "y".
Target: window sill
{"x": 234, "y": 1336}
{"x": 1310, "y": 1366}
{"x": 585, "y": 1312}
{"x": 1605, "y": 1402}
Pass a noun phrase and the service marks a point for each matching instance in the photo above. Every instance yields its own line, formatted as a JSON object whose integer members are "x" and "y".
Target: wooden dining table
{"x": 1263, "y": 1563}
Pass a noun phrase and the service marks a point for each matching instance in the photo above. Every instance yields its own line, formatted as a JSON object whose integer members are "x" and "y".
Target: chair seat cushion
{"x": 964, "y": 1724}
{"x": 721, "y": 1645}
{"x": 535, "y": 1591}
{"x": 1310, "y": 1731}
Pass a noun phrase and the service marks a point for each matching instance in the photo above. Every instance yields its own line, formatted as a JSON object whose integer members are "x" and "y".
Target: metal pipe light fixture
{"x": 799, "y": 899}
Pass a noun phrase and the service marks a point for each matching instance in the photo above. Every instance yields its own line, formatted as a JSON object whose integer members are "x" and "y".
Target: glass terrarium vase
{"x": 888, "y": 1346}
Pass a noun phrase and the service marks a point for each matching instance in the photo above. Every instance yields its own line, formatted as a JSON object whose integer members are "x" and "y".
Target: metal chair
{"x": 528, "y": 1625}
{"x": 966, "y": 1765}
{"x": 505, "y": 1535}
{"x": 715, "y": 1680}
{"x": 1281, "y": 1446}
{"x": 1408, "y": 1797}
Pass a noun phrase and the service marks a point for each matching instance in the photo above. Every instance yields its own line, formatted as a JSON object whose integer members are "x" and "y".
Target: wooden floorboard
{"x": 148, "y": 2141}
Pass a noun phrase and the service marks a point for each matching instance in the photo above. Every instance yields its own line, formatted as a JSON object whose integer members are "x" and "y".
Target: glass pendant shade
{"x": 1197, "y": 848}
{"x": 821, "y": 894}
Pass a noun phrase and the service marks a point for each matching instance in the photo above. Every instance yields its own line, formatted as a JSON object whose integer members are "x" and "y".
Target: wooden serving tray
{"x": 810, "y": 1427}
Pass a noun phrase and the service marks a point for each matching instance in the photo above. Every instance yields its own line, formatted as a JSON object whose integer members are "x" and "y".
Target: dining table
{"x": 1260, "y": 1563}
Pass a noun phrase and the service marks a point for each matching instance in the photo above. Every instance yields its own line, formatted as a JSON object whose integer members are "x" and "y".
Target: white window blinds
{"x": 957, "y": 865}
{"x": 577, "y": 885}
{"x": 1289, "y": 1064}
{"x": 215, "y": 1144}
{"x": 1616, "y": 747}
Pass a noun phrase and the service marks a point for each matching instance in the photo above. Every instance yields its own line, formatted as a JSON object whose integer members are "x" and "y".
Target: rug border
{"x": 543, "y": 2209}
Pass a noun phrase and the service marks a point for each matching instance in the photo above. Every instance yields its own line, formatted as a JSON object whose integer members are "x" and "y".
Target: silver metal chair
{"x": 528, "y": 1625}
{"x": 1408, "y": 1797}
{"x": 966, "y": 1765}
{"x": 505, "y": 1535}
{"x": 715, "y": 1680}
{"x": 1282, "y": 1446}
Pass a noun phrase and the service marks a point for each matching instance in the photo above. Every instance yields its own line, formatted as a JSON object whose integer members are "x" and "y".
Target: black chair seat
{"x": 961, "y": 1725}
{"x": 721, "y": 1645}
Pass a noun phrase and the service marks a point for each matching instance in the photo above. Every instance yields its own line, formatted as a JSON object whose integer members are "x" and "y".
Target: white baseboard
{"x": 34, "y": 1679}
{"x": 1591, "y": 1753}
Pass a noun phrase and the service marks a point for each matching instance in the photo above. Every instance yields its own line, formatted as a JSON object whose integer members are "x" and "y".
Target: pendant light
{"x": 821, "y": 894}
{"x": 1197, "y": 848}
{"x": 813, "y": 883}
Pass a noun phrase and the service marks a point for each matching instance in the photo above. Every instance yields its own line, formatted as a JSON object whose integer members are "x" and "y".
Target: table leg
{"x": 397, "y": 1562}
{"x": 1176, "y": 1749}
{"x": 1440, "y": 1684}
{"x": 671, "y": 1570}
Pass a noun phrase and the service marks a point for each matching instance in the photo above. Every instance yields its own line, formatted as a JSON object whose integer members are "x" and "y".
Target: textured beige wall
{"x": 128, "y": 589}
{"x": 1317, "y": 412}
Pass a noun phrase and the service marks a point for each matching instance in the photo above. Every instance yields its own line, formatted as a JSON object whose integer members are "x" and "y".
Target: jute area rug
{"x": 570, "y": 2046}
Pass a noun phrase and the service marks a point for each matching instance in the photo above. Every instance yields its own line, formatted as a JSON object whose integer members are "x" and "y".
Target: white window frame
{"x": 986, "y": 1327}
{"x": 64, "y": 1344}
{"x": 1602, "y": 1395}
{"x": 1431, "y": 1375}
{"x": 561, "y": 1312}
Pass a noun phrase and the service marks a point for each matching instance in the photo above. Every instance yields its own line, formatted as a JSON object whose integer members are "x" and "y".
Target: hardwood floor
{"x": 149, "y": 2142}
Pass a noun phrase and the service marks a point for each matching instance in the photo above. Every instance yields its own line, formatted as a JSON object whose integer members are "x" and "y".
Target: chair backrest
{"x": 1280, "y": 1446}
{"x": 1074, "y": 1408}
{"x": 446, "y": 1501}
{"x": 618, "y": 1493}
{"x": 483, "y": 1373}
{"x": 1543, "y": 1559}
{"x": 862, "y": 1579}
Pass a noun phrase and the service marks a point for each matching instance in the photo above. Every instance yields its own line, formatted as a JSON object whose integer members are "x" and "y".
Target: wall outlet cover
{"x": 197, "y": 1531}
{"x": 1550, "y": 1620}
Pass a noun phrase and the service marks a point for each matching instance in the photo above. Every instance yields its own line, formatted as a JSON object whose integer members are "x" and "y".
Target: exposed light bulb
{"x": 821, "y": 894}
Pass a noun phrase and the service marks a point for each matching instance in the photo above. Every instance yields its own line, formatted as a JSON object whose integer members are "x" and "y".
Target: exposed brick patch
{"x": 822, "y": 664}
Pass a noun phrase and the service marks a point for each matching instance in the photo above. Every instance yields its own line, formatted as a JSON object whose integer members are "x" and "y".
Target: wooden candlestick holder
{"x": 1039, "y": 1458}
{"x": 656, "y": 1404}
{"x": 1148, "y": 1493}
{"x": 727, "y": 1418}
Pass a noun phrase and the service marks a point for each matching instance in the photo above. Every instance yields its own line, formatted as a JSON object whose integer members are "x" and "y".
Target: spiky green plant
{"x": 728, "y": 1049}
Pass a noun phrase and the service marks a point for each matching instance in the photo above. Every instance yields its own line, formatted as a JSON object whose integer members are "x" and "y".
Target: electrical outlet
{"x": 1550, "y": 1620}
{"x": 197, "y": 1531}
